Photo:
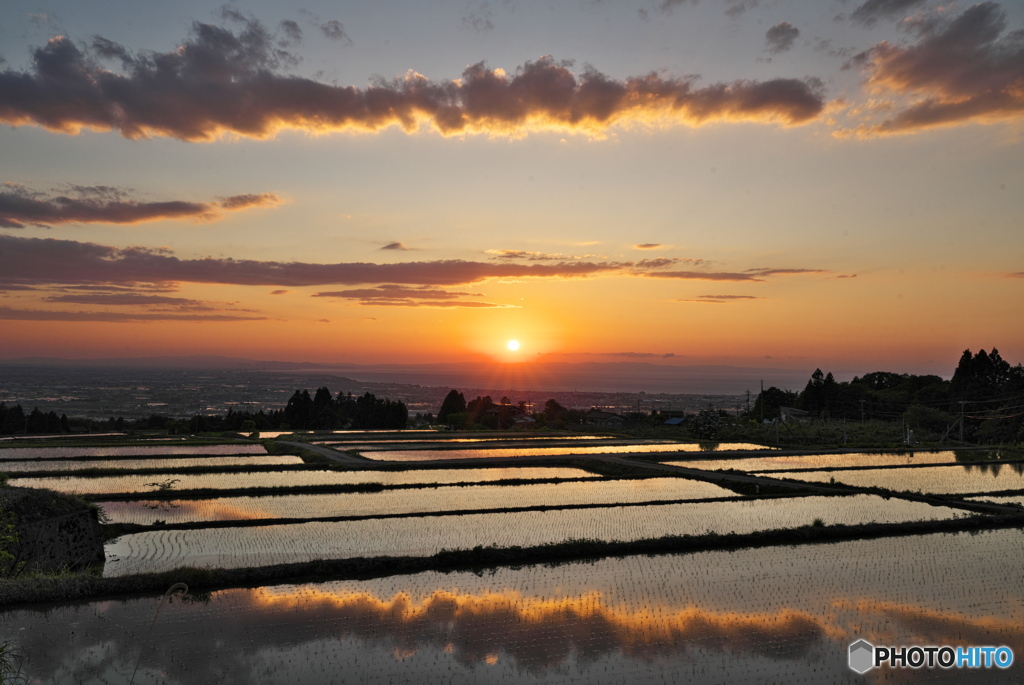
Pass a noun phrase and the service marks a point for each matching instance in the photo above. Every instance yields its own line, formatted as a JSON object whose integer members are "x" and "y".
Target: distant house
{"x": 507, "y": 415}
{"x": 788, "y": 414}
{"x": 596, "y": 417}
{"x": 675, "y": 421}
{"x": 524, "y": 422}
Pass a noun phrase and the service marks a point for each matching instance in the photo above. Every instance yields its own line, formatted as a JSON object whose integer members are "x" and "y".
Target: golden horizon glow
{"x": 614, "y": 213}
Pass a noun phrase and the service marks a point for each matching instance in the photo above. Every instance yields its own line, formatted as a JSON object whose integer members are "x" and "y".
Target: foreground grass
{"x": 85, "y": 586}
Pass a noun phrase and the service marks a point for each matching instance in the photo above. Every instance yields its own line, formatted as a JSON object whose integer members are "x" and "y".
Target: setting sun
{"x": 513, "y": 345}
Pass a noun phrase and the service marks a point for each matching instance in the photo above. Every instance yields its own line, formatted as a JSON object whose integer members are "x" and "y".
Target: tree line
{"x": 986, "y": 393}
{"x": 486, "y": 413}
{"x": 320, "y": 411}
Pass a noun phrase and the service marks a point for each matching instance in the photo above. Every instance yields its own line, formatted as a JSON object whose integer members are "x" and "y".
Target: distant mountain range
{"x": 555, "y": 376}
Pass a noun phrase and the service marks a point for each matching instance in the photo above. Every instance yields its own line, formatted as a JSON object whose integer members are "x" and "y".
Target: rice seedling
{"x": 635, "y": 448}
{"x": 258, "y": 546}
{"x": 936, "y": 480}
{"x": 827, "y": 461}
{"x": 76, "y": 464}
{"x": 137, "y": 483}
{"x": 782, "y": 613}
{"x": 57, "y": 452}
{"x": 413, "y": 501}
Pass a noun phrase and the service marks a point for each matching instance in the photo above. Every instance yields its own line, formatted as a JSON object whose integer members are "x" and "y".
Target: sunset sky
{"x": 770, "y": 183}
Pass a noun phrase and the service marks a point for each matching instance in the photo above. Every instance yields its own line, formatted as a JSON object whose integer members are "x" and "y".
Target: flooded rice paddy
{"x": 636, "y": 448}
{"x": 782, "y": 613}
{"x": 939, "y": 480}
{"x": 778, "y": 614}
{"x": 1017, "y": 499}
{"x": 446, "y": 440}
{"x": 220, "y": 481}
{"x": 183, "y": 462}
{"x": 57, "y": 452}
{"x": 163, "y": 550}
{"x": 414, "y": 501}
{"x": 839, "y": 461}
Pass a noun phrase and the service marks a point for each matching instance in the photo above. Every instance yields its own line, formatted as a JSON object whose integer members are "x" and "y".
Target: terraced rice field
{"x": 21, "y": 453}
{"x": 76, "y": 464}
{"x": 434, "y": 455}
{"x": 937, "y": 480}
{"x": 777, "y": 614}
{"x": 221, "y": 481}
{"x": 445, "y": 440}
{"x": 836, "y": 461}
{"x": 259, "y": 546}
{"x": 414, "y": 501}
{"x": 1000, "y": 499}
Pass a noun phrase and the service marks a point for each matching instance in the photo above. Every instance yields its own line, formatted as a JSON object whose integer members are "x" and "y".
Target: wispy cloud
{"x": 391, "y": 292}
{"x": 781, "y": 37}
{"x": 748, "y": 275}
{"x": 405, "y": 296}
{"x": 733, "y": 8}
{"x": 47, "y": 260}
{"x": 647, "y": 246}
{"x": 220, "y": 82}
{"x": 124, "y": 299}
{"x": 394, "y": 246}
{"x": 721, "y": 299}
{"x": 335, "y": 30}
{"x": 479, "y": 18}
{"x": 35, "y": 261}
{"x": 21, "y": 206}
{"x": 871, "y": 11}
{"x": 662, "y": 262}
{"x": 537, "y": 256}
{"x": 9, "y": 314}
{"x": 961, "y": 70}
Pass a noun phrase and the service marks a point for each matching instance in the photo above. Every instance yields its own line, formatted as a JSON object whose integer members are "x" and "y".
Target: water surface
{"x": 780, "y": 614}
{"x": 144, "y": 483}
{"x": 163, "y": 550}
{"x": 411, "y": 501}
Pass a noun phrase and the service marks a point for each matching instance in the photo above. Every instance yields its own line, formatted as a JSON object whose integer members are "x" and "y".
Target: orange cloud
{"x": 958, "y": 71}
{"x": 476, "y": 627}
{"x": 36, "y": 261}
{"x": 20, "y": 207}
{"x": 403, "y": 296}
{"x": 221, "y": 82}
{"x": 9, "y": 314}
{"x": 721, "y": 299}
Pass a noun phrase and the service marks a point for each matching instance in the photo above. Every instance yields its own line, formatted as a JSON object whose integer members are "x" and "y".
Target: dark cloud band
{"x": 960, "y": 70}
{"x": 33, "y": 261}
{"x": 20, "y": 207}
{"x": 222, "y": 82}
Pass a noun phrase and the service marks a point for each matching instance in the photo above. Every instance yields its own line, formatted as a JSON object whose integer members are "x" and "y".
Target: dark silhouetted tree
{"x": 454, "y": 403}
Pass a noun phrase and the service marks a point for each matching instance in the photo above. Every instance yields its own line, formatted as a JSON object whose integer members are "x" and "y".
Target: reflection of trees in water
{"x": 891, "y": 623}
{"x": 537, "y": 635}
{"x": 970, "y": 459}
{"x": 542, "y": 634}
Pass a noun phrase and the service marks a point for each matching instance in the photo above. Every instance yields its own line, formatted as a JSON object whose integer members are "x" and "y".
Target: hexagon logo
{"x": 862, "y": 656}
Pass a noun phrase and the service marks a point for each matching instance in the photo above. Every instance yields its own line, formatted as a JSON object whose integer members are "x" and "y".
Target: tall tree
{"x": 454, "y": 403}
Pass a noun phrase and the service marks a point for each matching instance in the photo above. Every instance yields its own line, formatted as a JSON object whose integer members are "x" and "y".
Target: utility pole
{"x": 760, "y": 398}
{"x": 748, "y": 400}
{"x": 862, "y": 411}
